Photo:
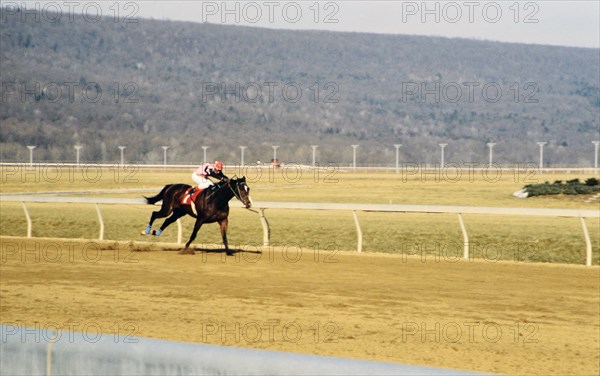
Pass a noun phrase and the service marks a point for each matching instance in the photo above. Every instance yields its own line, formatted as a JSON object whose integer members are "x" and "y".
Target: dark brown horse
{"x": 212, "y": 205}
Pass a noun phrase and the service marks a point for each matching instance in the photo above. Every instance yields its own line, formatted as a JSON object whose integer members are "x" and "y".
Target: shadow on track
{"x": 229, "y": 252}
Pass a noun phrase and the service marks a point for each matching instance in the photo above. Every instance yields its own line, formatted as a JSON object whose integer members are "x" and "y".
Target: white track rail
{"x": 354, "y": 208}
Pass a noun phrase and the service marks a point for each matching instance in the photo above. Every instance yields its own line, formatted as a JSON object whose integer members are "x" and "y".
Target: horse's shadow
{"x": 228, "y": 252}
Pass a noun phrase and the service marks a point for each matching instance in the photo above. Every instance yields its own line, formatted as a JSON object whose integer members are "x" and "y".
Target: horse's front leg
{"x": 197, "y": 226}
{"x": 223, "y": 226}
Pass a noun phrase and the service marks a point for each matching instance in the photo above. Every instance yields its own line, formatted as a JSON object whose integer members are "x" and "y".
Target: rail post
{"x": 265, "y": 226}
{"x": 588, "y": 243}
{"x": 179, "y": 231}
{"x": 101, "y": 235}
{"x": 358, "y": 231}
{"x": 29, "y": 224}
{"x": 465, "y": 237}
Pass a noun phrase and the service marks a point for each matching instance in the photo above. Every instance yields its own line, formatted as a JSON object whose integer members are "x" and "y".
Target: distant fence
{"x": 39, "y": 351}
{"x": 407, "y": 166}
{"x": 354, "y": 208}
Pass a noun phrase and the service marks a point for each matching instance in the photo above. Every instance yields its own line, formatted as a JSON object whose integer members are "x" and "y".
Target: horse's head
{"x": 241, "y": 191}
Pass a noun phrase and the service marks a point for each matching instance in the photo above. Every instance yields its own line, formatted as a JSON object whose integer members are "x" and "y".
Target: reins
{"x": 210, "y": 198}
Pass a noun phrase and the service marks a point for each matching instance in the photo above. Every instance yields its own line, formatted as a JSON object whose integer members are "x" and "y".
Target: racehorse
{"x": 212, "y": 205}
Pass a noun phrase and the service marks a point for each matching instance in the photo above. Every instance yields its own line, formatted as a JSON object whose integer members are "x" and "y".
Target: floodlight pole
{"x": 31, "y": 147}
{"x": 397, "y": 146}
{"x": 165, "y": 148}
{"x": 314, "y": 154}
{"x": 242, "y": 155}
{"x": 77, "y": 149}
{"x": 541, "y": 144}
{"x": 204, "y": 148}
{"x": 442, "y": 146}
{"x": 491, "y": 147}
{"x": 122, "y": 159}
{"x": 354, "y": 156}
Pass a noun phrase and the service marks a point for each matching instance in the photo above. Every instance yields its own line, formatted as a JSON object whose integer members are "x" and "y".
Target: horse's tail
{"x": 154, "y": 199}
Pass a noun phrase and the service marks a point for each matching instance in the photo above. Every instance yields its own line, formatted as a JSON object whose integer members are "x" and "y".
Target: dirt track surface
{"x": 492, "y": 317}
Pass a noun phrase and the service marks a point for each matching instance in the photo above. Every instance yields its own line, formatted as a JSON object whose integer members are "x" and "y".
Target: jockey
{"x": 202, "y": 173}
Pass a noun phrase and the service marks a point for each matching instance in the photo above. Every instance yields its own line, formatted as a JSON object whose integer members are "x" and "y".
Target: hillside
{"x": 160, "y": 83}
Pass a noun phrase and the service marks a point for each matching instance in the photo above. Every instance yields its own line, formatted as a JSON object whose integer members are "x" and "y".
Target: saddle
{"x": 189, "y": 199}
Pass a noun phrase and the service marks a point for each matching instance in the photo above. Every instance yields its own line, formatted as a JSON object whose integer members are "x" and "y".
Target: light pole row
{"x": 314, "y": 152}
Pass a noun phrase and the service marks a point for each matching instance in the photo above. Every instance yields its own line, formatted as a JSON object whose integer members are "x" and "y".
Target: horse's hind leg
{"x": 177, "y": 213}
{"x": 164, "y": 211}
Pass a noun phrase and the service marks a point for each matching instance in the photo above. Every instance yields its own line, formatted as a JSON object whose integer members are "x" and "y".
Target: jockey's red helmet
{"x": 218, "y": 165}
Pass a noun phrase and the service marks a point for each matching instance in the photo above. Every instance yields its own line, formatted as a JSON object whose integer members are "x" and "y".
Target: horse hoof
{"x": 229, "y": 253}
{"x": 156, "y": 232}
{"x": 147, "y": 231}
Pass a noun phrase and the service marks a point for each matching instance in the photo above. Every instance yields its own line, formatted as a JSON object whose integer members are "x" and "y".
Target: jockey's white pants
{"x": 201, "y": 181}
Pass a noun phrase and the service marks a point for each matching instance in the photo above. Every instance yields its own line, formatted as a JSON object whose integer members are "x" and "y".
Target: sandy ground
{"x": 492, "y": 317}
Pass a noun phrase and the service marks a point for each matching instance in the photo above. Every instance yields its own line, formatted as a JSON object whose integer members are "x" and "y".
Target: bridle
{"x": 237, "y": 194}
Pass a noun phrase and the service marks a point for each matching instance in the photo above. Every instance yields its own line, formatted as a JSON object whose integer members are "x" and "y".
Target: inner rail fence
{"x": 261, "y": 207}
{"x": 40, "y": 351}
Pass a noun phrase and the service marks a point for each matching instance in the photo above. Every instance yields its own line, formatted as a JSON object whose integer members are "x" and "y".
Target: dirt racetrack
{"x": 493, "y": 317}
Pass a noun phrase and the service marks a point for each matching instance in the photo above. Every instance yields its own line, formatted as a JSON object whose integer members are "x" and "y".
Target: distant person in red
{"x": 202, "y": 174}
